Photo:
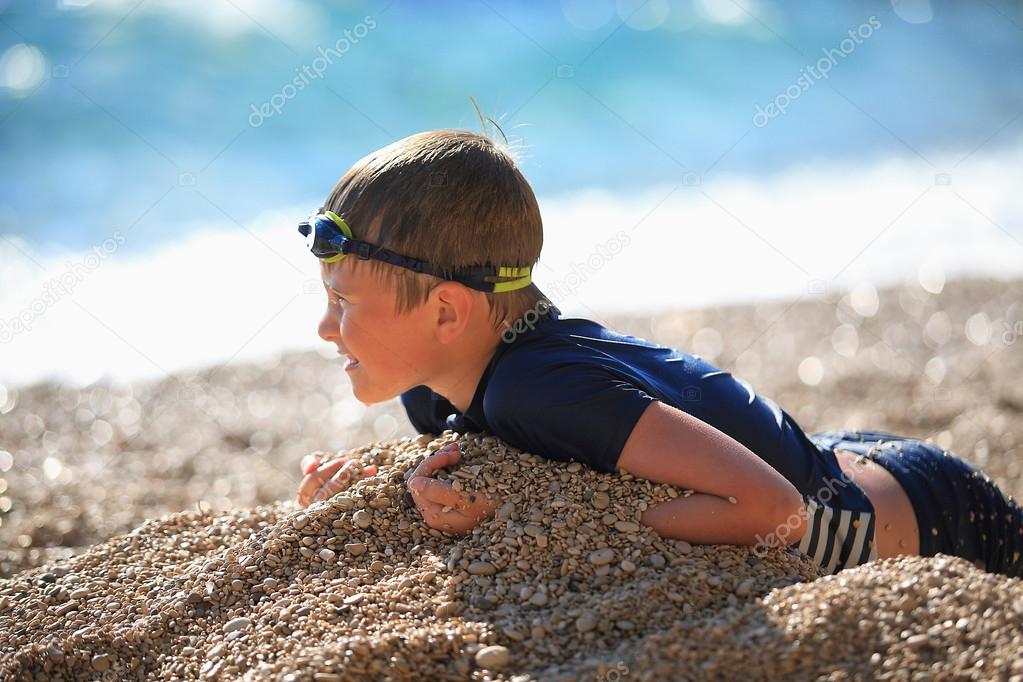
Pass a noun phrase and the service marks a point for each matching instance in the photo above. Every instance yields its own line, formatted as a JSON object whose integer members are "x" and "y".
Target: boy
{"x": 434, "y": 302}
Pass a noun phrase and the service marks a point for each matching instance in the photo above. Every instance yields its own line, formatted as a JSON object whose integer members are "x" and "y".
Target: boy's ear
{"x": 451, "y": 304}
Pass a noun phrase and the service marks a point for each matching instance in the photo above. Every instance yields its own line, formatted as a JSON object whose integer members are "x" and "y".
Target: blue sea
{"x": 156, "y": 155}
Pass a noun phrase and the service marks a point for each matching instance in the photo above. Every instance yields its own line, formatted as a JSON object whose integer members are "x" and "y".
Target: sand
{"x": 225, "y": 590}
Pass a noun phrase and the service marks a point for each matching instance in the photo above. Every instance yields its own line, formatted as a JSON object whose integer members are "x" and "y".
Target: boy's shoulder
{"x": 562, "y": 361}
{"x": 541, "y": 353}
{"x": 558, "y": 348}
{"x": 567, "y": 391}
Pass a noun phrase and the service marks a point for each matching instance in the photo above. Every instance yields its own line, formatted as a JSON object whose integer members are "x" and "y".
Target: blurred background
{"x": 790, "y": 190}
{"x": 747, "y": 149}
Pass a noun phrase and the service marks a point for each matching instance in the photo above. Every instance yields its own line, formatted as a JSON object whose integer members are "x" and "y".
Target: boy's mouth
{"x": 351, "y": 363}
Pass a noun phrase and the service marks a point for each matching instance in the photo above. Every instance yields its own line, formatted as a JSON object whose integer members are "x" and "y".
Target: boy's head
{"x": 453, "y": 199}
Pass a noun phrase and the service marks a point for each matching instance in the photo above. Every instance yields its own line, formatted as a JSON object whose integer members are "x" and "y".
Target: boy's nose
{"x": 330, "y": 328}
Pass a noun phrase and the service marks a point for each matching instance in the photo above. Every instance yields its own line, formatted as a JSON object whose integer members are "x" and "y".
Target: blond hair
{"x": 452, "y": 198}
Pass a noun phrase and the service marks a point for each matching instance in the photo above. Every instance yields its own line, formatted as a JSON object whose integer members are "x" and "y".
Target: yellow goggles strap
{"x": 523, "y": 275}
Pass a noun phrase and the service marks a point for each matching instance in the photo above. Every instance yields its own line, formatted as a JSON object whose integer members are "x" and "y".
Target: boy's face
{"x": 390, "y": 353}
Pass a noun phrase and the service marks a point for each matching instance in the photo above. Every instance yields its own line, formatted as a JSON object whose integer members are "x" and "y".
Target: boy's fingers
{"x": 421, "y": 470}
{"x": 435, "y": 491}
{"x": 332, "y": 476}
{"x": 309, "y": 463}
{"x": 328, "y": 490}
{"x": 308, "y": 487}
{"x": 337, "y": 483}
{"x": 312, "y": 482}
{"x": 429, "y": 509}
{"x": 338, "y": 472}
{"x": 327, "y": 470}
{"x": 442, "y": 458}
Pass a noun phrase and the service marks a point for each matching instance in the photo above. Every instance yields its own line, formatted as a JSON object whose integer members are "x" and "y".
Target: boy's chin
{"x": 368, "y": 396}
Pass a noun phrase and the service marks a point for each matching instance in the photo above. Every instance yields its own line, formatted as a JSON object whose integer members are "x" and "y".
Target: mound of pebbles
{"x": 901, "y": 618}
{"x": 358, "y": 587}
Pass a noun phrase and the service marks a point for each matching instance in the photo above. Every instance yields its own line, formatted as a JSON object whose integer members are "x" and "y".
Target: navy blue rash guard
{"x": 570, "y": 389}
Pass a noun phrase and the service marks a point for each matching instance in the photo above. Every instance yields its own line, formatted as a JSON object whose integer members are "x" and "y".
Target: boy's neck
{"x": 467, "y": 366}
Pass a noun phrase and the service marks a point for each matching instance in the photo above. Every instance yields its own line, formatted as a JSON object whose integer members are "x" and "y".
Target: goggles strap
{"x": 476, "y": 277}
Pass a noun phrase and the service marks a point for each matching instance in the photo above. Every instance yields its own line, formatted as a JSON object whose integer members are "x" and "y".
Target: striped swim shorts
{"x": 959, "y": 510}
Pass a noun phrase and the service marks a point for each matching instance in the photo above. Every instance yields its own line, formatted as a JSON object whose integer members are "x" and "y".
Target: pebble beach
{"x": 147, "y": 530}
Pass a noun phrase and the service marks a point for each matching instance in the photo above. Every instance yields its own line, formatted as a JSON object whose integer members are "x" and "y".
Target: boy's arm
{"x": 668, "y": 445}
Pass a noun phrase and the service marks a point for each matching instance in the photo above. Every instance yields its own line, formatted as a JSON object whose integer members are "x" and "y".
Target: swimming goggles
{"x": 330, "y": 239}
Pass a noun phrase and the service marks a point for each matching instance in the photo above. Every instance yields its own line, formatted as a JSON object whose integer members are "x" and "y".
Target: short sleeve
{"x": 426, "y": 410}
{"x": 568, "y": 411}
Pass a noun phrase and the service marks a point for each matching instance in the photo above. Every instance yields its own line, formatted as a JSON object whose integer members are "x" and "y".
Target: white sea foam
{"x": 721, "y": 240}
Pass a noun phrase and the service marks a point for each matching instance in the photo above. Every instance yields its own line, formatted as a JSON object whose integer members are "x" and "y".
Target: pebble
{"x": 585, "y": 622}
{"x": 602, "y": 556}
{"x": 326, "y": 555}
{"x": 239, "y": 623}
{"x": 533, "y": 530}
{"x": 493, "y": 657}
{"x": 447, "y": 609}
{"x": 626, "y": 526}
{"x": 482, "y": 568}
{"x": 67, "y": 607}
{"x": 362, "y": 519}
{"x": 918, "y": 640}
{"x": 101, "y": 663}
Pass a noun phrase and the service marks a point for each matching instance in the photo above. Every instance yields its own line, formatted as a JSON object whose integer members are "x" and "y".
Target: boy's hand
{"x": 431, "y": 496}
{"x": 323, "y": 481}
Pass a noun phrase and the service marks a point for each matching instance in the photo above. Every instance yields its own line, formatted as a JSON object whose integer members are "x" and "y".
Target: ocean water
{"x": 156, "y": 156}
